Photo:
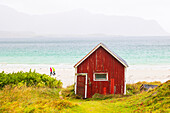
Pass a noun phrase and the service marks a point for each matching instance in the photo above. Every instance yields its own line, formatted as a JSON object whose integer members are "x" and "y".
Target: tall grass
{"x": 31, "y": 99}
{"x": 155, "y": 100}
{"x": 30, "y": 92}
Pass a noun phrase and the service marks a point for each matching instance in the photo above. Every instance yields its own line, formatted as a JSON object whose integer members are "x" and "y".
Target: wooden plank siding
{"x": 102, "y": 61}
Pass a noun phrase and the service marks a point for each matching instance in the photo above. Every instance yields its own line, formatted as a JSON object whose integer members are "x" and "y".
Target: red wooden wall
{"x": 102, "y": 61}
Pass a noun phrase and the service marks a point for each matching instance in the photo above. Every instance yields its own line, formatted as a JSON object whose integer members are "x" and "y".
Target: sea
{"x": 146, "y": 50}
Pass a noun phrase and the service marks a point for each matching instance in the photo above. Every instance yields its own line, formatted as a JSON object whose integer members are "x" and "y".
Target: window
{"x": 100, "y": 76}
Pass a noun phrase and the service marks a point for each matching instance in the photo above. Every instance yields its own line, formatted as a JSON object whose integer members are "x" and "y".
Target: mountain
{"x": 79, "y": 22}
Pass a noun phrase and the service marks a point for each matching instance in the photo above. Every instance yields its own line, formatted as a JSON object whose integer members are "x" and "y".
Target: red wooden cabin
{"x": 100, "y": 71}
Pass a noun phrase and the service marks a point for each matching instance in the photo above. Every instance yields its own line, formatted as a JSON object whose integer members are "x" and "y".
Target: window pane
{"x": 100, "y": 76}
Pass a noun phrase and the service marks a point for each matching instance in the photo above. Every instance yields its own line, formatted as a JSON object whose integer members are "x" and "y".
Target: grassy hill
{"x": 132, "y": 89}
{"x": 30, "y": 92}
{"x": 32, "y": 98}
{"x": 156, "y": 100}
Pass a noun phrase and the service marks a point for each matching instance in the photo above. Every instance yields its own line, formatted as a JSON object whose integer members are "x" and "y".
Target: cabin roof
{"x": 109, "y": 51}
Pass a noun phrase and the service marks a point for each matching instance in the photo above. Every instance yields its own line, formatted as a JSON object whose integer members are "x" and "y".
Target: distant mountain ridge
{"x": 77, "y": 22}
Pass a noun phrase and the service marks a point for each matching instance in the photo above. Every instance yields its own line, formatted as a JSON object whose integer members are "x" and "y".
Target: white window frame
{"x": 94, "y": 78}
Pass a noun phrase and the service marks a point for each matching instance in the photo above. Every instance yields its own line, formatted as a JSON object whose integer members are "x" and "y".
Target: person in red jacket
{"x": 50, "y": 71}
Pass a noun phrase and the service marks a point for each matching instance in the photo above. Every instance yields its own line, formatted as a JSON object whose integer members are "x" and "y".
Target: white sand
{"x": 148, "y": 73}
{"x": 65, "y": 73}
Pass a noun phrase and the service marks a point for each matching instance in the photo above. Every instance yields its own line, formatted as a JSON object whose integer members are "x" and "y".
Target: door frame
{"x": 75, "y": 88}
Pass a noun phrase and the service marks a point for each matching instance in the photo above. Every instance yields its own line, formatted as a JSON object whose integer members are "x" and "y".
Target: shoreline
{"x": 66, "y": 72}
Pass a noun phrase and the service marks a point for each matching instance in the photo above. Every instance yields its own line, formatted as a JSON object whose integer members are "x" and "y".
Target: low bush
{"x": 29, "y": 78}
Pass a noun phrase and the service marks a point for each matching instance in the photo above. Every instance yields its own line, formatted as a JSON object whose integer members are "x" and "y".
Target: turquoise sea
{"x": 134, "y": 50}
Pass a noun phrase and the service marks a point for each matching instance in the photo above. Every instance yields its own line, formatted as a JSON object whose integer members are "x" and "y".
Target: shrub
{"x": 28, "y": 78}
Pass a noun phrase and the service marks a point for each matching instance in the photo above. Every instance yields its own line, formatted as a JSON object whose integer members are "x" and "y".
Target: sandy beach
{"x": 65, "y": 73}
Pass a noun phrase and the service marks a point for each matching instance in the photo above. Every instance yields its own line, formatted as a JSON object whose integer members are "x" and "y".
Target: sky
{"x": 148, "y": 9}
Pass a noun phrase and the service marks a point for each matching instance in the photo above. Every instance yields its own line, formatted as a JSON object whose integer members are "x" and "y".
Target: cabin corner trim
{"x": 125, "y": 72}
{"x": 75, "y": 82}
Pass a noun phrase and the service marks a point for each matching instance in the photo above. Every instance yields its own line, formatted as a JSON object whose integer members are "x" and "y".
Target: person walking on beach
{"x": 53, "y": 71}
{"x": 50, "y": 71}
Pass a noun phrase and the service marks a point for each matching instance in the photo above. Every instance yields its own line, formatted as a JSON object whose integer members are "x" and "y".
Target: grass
{"x": 135, "y": 88}
{"x": 156, "y": 100}
{"x": 33, "y": 98}
{"x": 30, "y": 92}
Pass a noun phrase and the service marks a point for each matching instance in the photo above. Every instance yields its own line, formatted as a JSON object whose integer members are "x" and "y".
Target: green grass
{"x": 135, "y": 88}
{"x": 32, "y": 99}
{"x": 156, "y": 100}
{"x": 29, "y": 97}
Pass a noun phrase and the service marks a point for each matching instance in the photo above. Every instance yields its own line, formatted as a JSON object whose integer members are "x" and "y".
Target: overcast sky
{"x": 158, "y": 10}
